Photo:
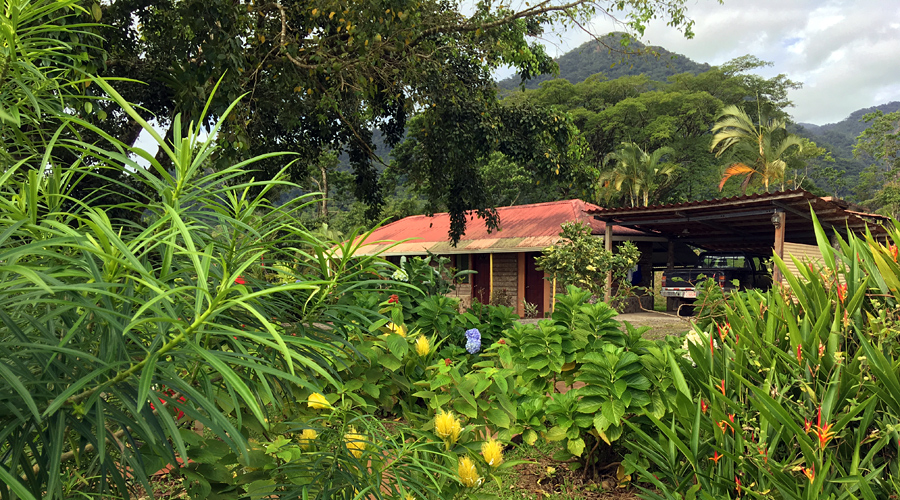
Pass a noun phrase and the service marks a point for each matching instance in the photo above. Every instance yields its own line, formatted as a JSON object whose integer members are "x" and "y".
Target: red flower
{"x": 394, "y": 298}
{"x": 715, "y": 458}
{"x": 842, "y": 292}
{"x": 501, "y": 341}
{"x": 764, "y": 452}
{"x": 703, "y": 406}
{"x": 807, "y": 425}
{"x": 737, "y": 483}
{"x": 799, "y": 354}
{"x": 240, "y": 280}
{"x": 447, "y": 362}
{"x": 722, "y": 387}
{"x": 893, "y": 250}
{"x": 810, "y": 473}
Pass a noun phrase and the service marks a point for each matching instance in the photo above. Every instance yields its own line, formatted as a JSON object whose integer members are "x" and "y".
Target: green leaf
{"x": 575, "y": 446}
{"x": 398, "y": 345}
{"x": 463, "y": 406}
{"x": 498, "y": 418}
{"x": 556, "y": 434}
{"x": 529, "y": 437}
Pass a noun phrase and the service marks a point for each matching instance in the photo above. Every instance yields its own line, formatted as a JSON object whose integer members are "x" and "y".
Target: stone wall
{"x": 506, "y": 278}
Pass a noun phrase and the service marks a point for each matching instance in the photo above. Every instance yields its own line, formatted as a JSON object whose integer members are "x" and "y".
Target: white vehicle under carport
{"x": 732, "y": 270}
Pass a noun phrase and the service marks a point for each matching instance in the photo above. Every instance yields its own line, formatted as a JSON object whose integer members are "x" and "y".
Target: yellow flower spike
{"x": 447, "y": 426}
{"x": 317, "y": 401}
{"x": 409, "y": 497}
{"x": 423, "y": 345}
{"x": 355, "y": 442}
{"x": 468, "y": 473}
{"x": 398, "y": 329}
{"x": 307, "y": 438}
{"x": 492, "y": 451}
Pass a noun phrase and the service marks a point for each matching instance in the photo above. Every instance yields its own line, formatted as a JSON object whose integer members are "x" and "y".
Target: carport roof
{"x": 744, "y": 223}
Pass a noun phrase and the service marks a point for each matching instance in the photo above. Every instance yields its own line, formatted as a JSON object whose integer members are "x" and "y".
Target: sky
{"x": 845, "y": 53}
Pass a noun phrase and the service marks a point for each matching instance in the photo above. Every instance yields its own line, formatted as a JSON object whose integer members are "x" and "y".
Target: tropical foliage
{"x": 759, "y": 149}
{"x": 640, "y": 174}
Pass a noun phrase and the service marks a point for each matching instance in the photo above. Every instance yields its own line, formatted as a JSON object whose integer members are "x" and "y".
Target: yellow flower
{"x": 468, "y": 474}
{"x": 447, "y": 426}
{"x": 398, "y": 329}
{"x": 317, "y": 401}
{"x": 307, "y": 437}
{"x": 423, "y": 346}
{"x": 409, "y": 497}
{"x": 492, "y": 451}
{"x": 355, "y": 442}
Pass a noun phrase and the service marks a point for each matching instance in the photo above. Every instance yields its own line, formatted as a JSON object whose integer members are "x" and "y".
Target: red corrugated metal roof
{"x": 535, "y": 226}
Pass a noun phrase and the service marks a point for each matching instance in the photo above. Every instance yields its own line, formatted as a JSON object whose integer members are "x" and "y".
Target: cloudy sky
{"x": 846, "y": 53}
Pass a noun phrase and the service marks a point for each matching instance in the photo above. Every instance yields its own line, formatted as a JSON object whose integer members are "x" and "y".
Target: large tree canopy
{"x": 323, "y": 74}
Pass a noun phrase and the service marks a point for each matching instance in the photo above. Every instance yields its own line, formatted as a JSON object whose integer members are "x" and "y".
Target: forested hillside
{"x": 614, "y": 61}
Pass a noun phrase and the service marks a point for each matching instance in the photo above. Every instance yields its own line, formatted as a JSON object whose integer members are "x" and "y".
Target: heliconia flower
{"x": 893, "y": 250}
{"x": 317, "y": 401}
{"x": 810, "y": 473}
{"x": 821, "y": 349}
{"x": 447, "y": 426}
{"x": 355, "y": 442}
{"x": 307, "y": 437}
{"x": 703, "y": 406}
{"x": 823, "y": 432}
{"x": 722, "y": 387}
{"x": 737, "y": 483}
{"x": 492, "y": 451}
{"x": 715, "y": 458}
{"x": 799, "y": 354}
{"x": 807, "y": 425}
{"x": 423, "y": 346}
{"x": 468, "y": 473}
{"x": 712, "y": 346}
{"x": 731, "y": 418}
{"x": 764, "y": 452}
{"x": 842, "y": 292}
{"x": 394, "y": 298}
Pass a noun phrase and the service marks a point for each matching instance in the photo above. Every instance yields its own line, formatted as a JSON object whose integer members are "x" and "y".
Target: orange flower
{"x": 824, "y": 434}
{"x": 737, "y": 483}
{"x": 842, "y": 292}
{"x": 722, "y": 387}
{"x": 807, "y": 425}
{"x": 799, "y": 354}
{"x": 810, "y": 473}
{"x": 893, "y": 250}
{"x": 703, "y": 406}
{"x": 715, "y": 458}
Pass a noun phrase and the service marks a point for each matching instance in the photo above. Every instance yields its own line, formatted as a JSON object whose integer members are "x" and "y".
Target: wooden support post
{"x": 779, "y": 220}
{"x": 608, "y": 242}
{"x": 491, "y": 278}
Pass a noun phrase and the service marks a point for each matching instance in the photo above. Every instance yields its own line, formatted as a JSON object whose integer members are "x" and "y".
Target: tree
{"x": 881, "y": 142}
{"x": 760, "y": 150}
{"x": 642, "y": 175}
{"x": 323, "y": 74}
{"x": 582, "y": 260}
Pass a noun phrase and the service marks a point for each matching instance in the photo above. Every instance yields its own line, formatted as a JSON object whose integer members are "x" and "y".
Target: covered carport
{"x": 758, "y": 224}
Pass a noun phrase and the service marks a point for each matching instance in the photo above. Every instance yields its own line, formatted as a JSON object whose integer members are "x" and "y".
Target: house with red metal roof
{"x": 504, "y": 258}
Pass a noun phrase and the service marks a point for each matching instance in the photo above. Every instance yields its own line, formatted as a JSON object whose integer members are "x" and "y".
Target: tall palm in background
{"x": 640, "y": 174}
{"x": 759, "y": 149}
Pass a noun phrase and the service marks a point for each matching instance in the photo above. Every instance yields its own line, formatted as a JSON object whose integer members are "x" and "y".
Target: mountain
{"x": 610, "y": 59}
{"x": 840, "y": 137}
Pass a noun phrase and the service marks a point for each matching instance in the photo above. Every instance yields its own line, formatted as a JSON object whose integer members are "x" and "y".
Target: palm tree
{"x": 639, "y": 173}
{"x": 762, "y": 154}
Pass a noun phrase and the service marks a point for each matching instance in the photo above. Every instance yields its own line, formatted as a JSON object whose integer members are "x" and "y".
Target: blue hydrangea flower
{"x": 473, "y": 340}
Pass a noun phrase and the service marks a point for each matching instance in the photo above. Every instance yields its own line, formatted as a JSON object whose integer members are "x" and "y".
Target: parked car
{"x": 732, "y": 270}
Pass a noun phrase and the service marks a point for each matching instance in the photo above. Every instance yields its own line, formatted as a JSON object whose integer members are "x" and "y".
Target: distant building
{"x": 504, "y": 259}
